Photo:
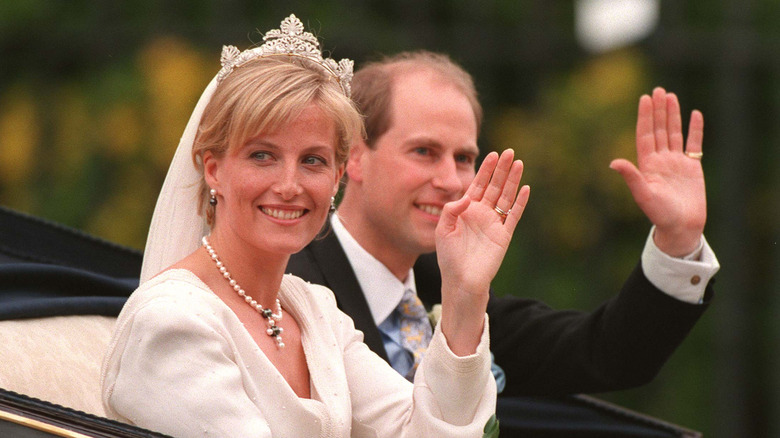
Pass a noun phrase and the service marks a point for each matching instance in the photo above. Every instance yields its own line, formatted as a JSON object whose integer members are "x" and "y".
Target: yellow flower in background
{"x": 611, "y": 79}
{"x": 73, "y": 130}
{"x": 124, "y": 217}
{"x": 19, "y": 135}
{"x": 175, "y": 75}
{"x": 122, "y": 130}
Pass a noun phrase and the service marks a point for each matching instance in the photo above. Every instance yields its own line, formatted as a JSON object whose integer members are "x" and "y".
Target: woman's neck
{"x": 259, "y": 273}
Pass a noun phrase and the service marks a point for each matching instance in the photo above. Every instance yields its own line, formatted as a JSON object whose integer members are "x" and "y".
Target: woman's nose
{"x": 288, "y": 185}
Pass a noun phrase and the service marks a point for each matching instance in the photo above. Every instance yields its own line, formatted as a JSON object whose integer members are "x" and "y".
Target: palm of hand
{"x": 668, "y": 185}
{"x": 675, "y": 192}
{"x": 472, "y": 236}
{"x": 473, "y": 247}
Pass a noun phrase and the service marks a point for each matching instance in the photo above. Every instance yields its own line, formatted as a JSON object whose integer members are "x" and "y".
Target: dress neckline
{"x": 288, "y": 302}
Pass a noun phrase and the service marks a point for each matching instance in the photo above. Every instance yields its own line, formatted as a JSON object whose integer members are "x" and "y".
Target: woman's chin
{"x": 289, "y": 247}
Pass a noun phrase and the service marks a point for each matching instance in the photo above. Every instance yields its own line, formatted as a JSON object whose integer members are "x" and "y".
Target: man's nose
{"x": 446, "y": 177}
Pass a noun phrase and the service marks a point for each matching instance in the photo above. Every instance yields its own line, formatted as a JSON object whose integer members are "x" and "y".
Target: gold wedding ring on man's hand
{"x": 501, "y": 212}
{"x": 694, "y": 155}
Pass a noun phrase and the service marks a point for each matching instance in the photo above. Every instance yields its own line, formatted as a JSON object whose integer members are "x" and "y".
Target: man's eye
{"x": 467, "y": 159}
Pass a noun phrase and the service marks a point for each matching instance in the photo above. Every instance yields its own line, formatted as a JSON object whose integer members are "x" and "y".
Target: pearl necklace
{"x": 273, "y": 330}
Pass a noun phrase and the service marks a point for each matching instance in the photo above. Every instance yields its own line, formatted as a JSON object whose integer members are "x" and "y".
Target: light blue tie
{"x": 416, "y": 329}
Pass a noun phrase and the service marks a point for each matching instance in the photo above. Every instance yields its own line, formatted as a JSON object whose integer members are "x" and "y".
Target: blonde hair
{"x": 261, "y": 96}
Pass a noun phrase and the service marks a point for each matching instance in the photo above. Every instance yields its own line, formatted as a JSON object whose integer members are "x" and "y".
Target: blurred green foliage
{"x": 92, "y": 153}
{"x": 581, "y": 121}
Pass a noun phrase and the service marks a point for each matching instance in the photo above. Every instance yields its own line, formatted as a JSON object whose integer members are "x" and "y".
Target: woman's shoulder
{"x": 293, "y": 286}
{"x": 174, "y": 301}
{"x": 179, "y": 288}
{"x": 169, "y": 281}
{"x": 317, "y": 302}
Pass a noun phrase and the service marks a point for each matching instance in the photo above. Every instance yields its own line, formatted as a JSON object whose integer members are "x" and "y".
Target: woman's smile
{"x": 284, "y": 213}
{"x": 288, "y": 175}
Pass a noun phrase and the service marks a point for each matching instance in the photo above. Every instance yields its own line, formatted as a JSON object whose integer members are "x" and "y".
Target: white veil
{"x": 176, "y": 227}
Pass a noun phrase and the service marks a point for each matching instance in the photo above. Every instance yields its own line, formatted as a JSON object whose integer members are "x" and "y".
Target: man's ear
{"x": 210, "y": 165}
{"x": 355, "y": 161}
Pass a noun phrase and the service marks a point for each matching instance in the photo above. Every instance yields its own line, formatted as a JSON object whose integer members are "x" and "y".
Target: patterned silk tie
{"x": 416, "y": 329}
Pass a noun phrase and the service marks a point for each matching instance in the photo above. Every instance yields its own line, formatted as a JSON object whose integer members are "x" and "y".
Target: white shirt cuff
{"x": 683, "y": 278}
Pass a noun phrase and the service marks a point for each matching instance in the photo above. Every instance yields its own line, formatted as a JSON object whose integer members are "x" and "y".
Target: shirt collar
{"x": 382, "y": 289}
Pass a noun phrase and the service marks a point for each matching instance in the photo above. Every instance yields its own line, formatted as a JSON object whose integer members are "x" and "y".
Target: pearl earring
{"x": 332, "y": 204}
{"x": 213, "y": 199}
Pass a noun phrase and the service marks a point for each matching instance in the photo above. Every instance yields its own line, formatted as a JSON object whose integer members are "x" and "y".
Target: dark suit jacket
{"x": 543, "y": 351}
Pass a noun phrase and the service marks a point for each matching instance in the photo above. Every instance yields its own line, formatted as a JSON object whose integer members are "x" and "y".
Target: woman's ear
{"x": 210, "y": 165}
{"x": 339, "y": 175}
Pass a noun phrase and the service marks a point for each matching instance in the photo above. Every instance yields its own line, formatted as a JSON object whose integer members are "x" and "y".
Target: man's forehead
{"x": 427, "y": 140}
{"x": 422, "y": 90}
{"x": 421, "y": 76}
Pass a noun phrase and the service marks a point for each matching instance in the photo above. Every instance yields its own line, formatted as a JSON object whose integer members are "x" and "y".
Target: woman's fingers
{"x": 476, "y": 189}
{"x": 518, "y": 208}
{"x": 496, "y": 186}
{"x": 497, "y": 182}
{"x": 507, "y": 199}
{"x": 450, "y": 213}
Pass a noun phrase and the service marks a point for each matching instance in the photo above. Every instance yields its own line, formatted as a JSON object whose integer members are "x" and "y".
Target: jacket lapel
{"x": 324, "y": 262}
{"x": 427, "y": 279}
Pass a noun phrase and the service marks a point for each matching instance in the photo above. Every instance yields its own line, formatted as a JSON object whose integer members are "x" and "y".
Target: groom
{"x": 422, "y": 123}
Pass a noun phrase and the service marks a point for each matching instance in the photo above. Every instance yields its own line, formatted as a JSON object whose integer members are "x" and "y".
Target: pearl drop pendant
{"x": 270, "y": 317}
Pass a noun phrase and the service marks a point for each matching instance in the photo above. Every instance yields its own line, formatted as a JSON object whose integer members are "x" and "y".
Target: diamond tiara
{"x": 288, "y": 40}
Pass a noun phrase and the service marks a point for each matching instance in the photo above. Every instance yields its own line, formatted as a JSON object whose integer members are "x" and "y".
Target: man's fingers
{"x": 695, "y": 132}
{"x": 674, "y": 123}
{"x": 645, "y": 137}
{"x": 659, "y": 120}
{"x": 632, "y": 176}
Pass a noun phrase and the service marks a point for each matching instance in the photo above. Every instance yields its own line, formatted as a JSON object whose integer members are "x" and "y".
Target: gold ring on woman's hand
{"x": 694, "y": 155}
{"x": 501, "y": 212}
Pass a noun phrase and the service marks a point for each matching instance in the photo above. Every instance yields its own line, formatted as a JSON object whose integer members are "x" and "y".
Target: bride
{"x": 217, "y": 341}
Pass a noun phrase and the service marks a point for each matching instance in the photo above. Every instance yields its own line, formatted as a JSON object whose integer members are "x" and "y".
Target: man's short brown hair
{"x": 372, "y": 86}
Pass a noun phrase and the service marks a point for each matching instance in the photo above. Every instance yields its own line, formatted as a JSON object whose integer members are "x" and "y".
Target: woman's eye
{"x": 422, "y": 151}
{"x": 260, "y": 156}
{"x": 314, "y": 160}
